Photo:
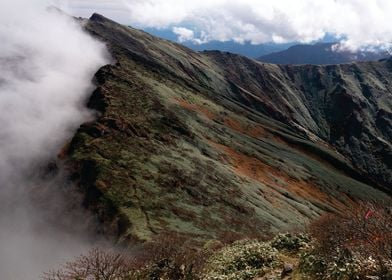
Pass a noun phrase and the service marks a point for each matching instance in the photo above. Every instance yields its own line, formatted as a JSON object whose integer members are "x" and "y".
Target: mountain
{"x": 319, "y": 54}
{"x": 212, "y": 143}
{"x": 246, "y": 49}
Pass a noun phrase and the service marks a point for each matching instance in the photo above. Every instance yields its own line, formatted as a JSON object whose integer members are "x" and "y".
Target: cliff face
{"x": 212, "y": 143}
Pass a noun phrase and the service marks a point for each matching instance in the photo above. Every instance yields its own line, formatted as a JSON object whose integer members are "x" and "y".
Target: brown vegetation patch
{"x": 253, "y": 168}
{"x": 248, "y": 129}
{"x": 195, "y": 108}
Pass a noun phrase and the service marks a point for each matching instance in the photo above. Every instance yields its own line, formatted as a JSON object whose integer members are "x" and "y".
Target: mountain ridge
{"x": 319, "y": 54}
{"x": 209, "y": 143}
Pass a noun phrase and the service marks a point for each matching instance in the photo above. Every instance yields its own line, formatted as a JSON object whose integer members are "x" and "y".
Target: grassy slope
{"x": 186, "y": 142}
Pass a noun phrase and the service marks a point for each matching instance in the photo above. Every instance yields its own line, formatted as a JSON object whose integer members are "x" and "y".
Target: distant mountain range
{"x": 289, "y": 53}
{"x": 320, "y": 53}
{"x": 246, "y": 49}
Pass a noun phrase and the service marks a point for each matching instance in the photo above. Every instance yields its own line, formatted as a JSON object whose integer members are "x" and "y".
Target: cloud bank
{"x": 359, "y": 23}
{"x": 46, "y": 66}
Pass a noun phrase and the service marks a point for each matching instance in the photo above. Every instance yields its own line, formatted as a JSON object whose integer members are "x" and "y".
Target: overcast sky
{"x": 362, "y": 23}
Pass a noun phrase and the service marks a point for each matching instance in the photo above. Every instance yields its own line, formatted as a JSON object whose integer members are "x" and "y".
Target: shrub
{"x": 340, "y": 266}
{"x": 167, "y": 257}
{"x": 96, "y": 265}
{"x": 352, "y": 246}
{"x": 241, "y": 261}
{"x": 290, "y": 242}
{"x": 173, "y": 256}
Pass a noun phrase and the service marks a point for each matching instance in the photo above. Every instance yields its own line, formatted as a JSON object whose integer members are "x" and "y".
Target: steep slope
{"x": 319, "y": 54}
{"x": 346, "y": 106}
{"x": 211, "y": 143}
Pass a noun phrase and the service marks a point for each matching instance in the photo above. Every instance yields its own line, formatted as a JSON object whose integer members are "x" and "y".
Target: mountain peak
{"x": 99, "y": 18}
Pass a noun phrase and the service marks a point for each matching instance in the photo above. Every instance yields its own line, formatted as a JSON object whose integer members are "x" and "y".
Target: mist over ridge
{"x": 47, "y": 63}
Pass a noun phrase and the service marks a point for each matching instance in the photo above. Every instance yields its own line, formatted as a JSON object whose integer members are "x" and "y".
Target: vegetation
{"x": 97, "y": 265}
{"x": 291, "y": 242}
{"x": 244, "y": 259}
{"x": 352, "y": 246}
{"x": 357, "y": 245}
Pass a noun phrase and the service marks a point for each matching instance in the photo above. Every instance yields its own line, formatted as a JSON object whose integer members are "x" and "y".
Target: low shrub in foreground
{"x": 357, "y": 245}
{"x": 167, "y": 257}
{"x": 96, "y": 265}
{"x": 241, "y": 260}
{"x": 291, "y": 242}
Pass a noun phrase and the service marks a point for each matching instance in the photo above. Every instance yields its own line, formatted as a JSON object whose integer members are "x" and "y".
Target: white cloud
{"x": 46, "y": 66}
{"x": 362, "y": 22}
{"x": 184, "y": 34}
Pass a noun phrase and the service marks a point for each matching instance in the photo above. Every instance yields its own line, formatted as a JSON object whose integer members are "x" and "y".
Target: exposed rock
{"x": 287, "y": 269}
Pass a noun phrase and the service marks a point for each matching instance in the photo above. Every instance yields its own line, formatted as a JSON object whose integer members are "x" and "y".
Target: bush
{"x": 97, "y": 265}
{"x": 174, "y": 257}
{"x": 241, "y": 261}
{"x": 340, "y": 266}
{"x": 167, "y": 257}
{"x": 291, "y": 242}
{"x": 352, "y": 246}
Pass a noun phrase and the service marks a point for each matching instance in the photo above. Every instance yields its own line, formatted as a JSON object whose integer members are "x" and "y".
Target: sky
{"x": 358, "y": 24}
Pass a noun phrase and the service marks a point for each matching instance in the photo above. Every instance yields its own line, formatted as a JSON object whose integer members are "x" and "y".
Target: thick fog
{"x": 46, "y": 67}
